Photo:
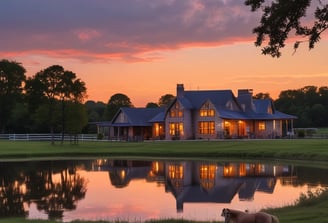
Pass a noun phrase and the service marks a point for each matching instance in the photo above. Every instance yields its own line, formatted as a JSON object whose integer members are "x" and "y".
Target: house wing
{"x": 136, "y": 116}
{"x": 121, "y": 118}
{"x": 264, "y": 110}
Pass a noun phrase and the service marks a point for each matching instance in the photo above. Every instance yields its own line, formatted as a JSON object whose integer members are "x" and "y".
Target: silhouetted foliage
{"x": 54, "y": 84}
{"x": 53, "y": 197}
{"x": 76, "y": 119}
{"x": 95, "y": 110}
{"x": 152, "y": 105}
{"x": 116, "y": 102}
{"x": 12, "y": 77}
{"x": 282, "y": 19}
{"x": 96, "y": 113}
{"x": 309, "y": 104}
{"x": 165, "y": 100}
{"x": 262, "y": 96}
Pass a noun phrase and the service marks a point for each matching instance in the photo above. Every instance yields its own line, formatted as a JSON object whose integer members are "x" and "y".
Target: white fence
{"x": 48, "y": 137}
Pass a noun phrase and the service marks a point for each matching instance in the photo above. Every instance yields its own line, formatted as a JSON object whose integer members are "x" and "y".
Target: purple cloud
{"x": 124, "y": 29}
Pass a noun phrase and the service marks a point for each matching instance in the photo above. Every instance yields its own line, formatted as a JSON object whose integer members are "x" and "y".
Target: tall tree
{"x": 115, "y": 102}
{"x": 12, "y": 77}
{"x": 57, "y": 85}
{"x": 76, "y": 117}
{"x": 281, "y": 18}
{"x": 165, "y": 100}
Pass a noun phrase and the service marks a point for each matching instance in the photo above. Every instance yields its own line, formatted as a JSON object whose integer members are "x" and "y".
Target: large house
{"x": 204, "y": 114}
{"x": 218, "y": 114}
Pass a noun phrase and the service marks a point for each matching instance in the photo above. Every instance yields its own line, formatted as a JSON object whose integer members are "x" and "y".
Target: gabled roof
{"x": 262, "y": 105}
{"x": 159, "y": 117}
{"x": 218, "y": 97}
{"x": 137, "y": 116}
{"x": 261, "y": 111}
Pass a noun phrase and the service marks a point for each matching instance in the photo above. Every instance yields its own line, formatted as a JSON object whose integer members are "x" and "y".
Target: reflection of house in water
{"x": 157, "y": 172}
{"x": 197, "y": 181}
{"x": 194, "y": 182}
{"x": 121, "y": 172}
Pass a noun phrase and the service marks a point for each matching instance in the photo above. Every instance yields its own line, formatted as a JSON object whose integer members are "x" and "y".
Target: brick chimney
{"x": 245, "y": 98}
{"x": 180, "y": 90}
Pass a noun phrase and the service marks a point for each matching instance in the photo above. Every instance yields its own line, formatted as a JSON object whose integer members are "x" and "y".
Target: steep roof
{"x": 195, "y": 99}
{"x": 262, "y": 105}
{"x": 261, "y": 111}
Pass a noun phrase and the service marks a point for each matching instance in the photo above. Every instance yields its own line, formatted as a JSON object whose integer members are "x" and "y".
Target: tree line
{"x": 52, "y": 101}
{"x": 309, "y": 104}
{"x": 49, "y": 101}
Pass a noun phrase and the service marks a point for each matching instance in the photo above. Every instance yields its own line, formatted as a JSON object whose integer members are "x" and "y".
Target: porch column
{"x": 286, "y": 127}
{"x": 98, "y": 130}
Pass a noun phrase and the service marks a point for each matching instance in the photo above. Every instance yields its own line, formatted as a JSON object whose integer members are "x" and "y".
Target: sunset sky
{"x": 143, "y": 48}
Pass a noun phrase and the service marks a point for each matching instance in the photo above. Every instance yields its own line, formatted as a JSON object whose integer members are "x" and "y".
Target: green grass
{"x": 310, "y": 208}
{"x": 303, "y": 150}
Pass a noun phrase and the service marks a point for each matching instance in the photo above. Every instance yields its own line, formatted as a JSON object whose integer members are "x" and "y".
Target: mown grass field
{"x": 303, "y": 150}
{"x": 310, "y": 151}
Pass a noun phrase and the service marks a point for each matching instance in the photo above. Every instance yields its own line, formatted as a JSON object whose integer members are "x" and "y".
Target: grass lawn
{"x": 302, "y": 149}
{"x": 312, "y": 151}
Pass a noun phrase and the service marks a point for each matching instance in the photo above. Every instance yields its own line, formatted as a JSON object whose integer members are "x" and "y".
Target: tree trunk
{"x": 63, "y": 121}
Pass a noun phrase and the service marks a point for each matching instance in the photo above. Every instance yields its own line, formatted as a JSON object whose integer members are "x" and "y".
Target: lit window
{"x": 207, "y": 176}
{"x": 206, "y": 128}
{"x": 261, "y": 126}
{"x": 206, "y": 111}
{"x": 175, "y": 171}
{"x": 176, "y": 111}
{"x": 229, "y": 171}
{"x": 176, "y": 129}
{"x": 207, "y": 171}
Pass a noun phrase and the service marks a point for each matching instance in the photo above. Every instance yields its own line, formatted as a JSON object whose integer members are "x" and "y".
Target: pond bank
{"x": 311, "y": 208}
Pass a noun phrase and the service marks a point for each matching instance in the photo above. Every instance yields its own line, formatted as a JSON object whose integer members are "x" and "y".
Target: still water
{"x": 136, "y": 190}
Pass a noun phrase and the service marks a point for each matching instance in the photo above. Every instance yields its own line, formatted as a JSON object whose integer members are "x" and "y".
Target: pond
{"x": 139, "y": 190}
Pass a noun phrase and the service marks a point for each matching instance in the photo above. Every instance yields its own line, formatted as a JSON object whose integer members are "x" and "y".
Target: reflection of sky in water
{"x": 140, "y": 201}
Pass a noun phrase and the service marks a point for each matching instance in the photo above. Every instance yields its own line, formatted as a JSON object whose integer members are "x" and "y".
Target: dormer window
{"x": 229, "y": 105}
{"x": 206, "y": 111}
{"x": 269, "y": 110}
{"x": 176, "y": 111}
